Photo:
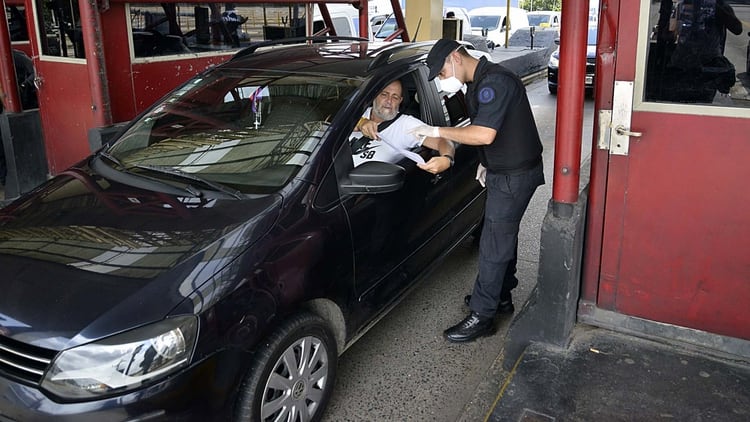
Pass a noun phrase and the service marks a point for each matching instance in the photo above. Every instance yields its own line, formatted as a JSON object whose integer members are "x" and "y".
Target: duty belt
{"x": 518, "y": 170}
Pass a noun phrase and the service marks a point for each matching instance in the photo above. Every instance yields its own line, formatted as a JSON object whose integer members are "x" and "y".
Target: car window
{"x": 454, "y": 108}
{"x": 489, "y": 22}
{"x": 538, "y": 20}
{"x": 388, "y": 27}
{"x": 251, "y": 132}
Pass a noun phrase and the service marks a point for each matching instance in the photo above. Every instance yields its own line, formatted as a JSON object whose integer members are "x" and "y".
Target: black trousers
{"x": 508, "y": 196}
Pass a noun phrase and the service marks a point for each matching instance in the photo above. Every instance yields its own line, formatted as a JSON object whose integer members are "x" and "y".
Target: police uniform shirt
{"x": 398, "y": 133}
{"x": 497, "y": 99}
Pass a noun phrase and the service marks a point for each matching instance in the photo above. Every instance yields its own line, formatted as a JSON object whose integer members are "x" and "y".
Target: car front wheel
{"x": 292, "y": 374}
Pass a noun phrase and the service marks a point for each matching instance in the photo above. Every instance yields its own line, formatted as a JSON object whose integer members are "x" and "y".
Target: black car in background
{"x": 213, "y": 261}
{"x": 553, "y": 67}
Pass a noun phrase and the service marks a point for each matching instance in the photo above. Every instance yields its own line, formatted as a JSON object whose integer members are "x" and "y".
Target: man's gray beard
{"x": 384, "y": 115}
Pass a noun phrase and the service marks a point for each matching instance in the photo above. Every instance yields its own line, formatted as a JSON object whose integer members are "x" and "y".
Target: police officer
{"x": 510, "y": 151}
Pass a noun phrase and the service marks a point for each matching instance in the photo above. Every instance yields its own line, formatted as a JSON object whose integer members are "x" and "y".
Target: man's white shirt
{"x": 399, "y": 133}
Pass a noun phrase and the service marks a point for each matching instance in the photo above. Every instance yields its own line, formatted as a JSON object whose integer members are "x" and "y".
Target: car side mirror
{"x": 373, "y": 177}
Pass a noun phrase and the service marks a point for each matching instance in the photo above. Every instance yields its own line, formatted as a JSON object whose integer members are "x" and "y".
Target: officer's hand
{"x": 425, "y": 131}
{"x": 481, "y": 174}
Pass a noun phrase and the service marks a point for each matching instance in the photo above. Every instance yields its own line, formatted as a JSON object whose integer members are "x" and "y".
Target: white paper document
{"x": 405, "y": 152}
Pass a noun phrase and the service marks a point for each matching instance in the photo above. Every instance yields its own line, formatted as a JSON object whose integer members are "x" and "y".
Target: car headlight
{"x": 554, "y": 59}
{"x": 124, "y": 361}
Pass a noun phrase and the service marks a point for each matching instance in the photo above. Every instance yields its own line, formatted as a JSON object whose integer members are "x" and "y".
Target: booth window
{"x": 16, "y": 16}
{"x": 162, "y": 29}
{"x": 60, "y": 22}
{"x": 165, "y": 29}
{"x": 697, "y": 53}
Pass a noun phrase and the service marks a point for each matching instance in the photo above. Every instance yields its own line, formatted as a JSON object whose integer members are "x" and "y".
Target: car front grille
{"x": 23, "y": 362}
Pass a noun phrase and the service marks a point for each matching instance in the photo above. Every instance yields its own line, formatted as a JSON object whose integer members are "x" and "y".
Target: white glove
{"x": 425, "y": 131}
{"x": 481, "y": 174}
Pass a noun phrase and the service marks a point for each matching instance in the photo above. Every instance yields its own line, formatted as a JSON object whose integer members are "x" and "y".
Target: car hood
{"x": 84, "y": 258}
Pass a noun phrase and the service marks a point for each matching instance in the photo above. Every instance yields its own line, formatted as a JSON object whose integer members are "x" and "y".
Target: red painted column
{"x": 7, "y": 70}
{"x": 364, "y": 20}
{"x": 97, "y": 70}
{"x": 570, "y": 96}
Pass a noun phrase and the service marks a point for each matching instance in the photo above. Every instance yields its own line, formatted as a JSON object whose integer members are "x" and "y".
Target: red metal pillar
{"x": 364, "y": 28}
{"x": 400, "y": 22}
{"x": 7, "y": 70}
{"x": 92, "y": 41}
{"x": 571, "y": 90}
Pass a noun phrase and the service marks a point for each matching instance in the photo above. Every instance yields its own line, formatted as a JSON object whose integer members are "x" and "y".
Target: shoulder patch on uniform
{"x": 486, "y": 95}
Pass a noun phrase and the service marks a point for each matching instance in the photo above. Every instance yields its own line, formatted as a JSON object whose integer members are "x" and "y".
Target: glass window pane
{"x": 61, "y": 23}
{"x": 698, "y": 53}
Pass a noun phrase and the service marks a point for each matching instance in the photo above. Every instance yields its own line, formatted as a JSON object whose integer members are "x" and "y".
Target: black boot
{"x": 505, "y": 307}
{"x": 473, "y": 326}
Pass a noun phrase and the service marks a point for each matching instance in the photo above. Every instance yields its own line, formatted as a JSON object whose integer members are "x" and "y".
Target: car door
{"x": 399, "y": 235}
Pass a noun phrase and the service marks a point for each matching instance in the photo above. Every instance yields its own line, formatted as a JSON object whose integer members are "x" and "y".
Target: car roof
{"x": 337, "y": 56}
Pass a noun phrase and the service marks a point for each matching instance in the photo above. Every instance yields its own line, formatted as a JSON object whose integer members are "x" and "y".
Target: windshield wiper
{"x": 111, "y": 158}
{"x": 184, "y": 175}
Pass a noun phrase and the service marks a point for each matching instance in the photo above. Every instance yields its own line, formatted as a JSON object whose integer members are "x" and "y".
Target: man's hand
{"x": 425, "y": 131}
{"x": 368, "y": 128}
{"x": 436, "y": 165}
{"x": 481, "y": 175}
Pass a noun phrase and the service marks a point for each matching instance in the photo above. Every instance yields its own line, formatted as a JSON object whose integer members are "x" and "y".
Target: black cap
{"x": 438, "y": 54}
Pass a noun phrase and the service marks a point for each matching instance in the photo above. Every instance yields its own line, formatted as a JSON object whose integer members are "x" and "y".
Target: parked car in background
{"x": 213, "y": 261}
{"x": 490, "y": 22}
{"x": 544, "y": 19}
{"x": 345, "y": 19}
{"x": 376, "y": 22}
{"x": 475, "y": 45}
{"x": 553, "y": 67}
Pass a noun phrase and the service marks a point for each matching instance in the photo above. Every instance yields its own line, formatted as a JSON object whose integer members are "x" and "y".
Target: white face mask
{"x": 452, "y": 84}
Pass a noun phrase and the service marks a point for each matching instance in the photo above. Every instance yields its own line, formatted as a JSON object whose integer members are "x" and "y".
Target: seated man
{"x": 398, "y": 127}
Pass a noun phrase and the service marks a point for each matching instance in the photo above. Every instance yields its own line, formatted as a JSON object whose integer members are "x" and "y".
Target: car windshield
{"x": 388, "y": 27}
{"x": 538, "y": 20}
{"x": 235, "y": 129}
{"x": 489, "y": 22}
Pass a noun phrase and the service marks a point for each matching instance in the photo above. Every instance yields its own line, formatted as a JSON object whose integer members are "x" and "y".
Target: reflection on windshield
{"x": 250, "y": 133}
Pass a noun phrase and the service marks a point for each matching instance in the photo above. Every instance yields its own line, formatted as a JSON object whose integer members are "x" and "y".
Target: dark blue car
{"x": 213, "y": 261}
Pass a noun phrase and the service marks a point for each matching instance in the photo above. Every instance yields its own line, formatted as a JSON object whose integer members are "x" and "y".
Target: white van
{"x": 490, "y": 22}
{"x": 544, "y": 19}
{"x": 345, "y": 18}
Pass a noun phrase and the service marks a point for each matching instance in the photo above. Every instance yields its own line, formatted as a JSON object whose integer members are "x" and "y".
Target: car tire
{"x": 301, "y": 340}
{"x": 552, "y": 89}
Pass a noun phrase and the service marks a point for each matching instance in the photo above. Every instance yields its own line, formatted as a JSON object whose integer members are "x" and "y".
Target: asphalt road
{"x": 403, "y": 369}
